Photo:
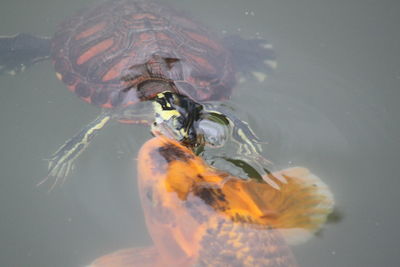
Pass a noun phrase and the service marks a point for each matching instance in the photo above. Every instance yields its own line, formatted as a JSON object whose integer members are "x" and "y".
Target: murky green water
{"x": 332, "y": 106}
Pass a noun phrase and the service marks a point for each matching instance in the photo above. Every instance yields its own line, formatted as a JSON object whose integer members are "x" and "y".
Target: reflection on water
{"x": 331, "y": 106}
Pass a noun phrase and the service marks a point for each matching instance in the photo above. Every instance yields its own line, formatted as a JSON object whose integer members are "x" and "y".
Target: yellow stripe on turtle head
{"x": 164, "y": 114}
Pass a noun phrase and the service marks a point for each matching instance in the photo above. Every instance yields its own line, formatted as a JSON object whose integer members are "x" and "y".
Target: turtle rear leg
{"x": 61, "y": 162}
{"x": 22, "y": 50}
{"x": 253, "y": 58}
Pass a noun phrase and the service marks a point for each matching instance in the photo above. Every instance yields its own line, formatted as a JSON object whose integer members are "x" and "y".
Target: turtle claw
{"x": 61, "y": 163}
{"x": 59, "y": 168}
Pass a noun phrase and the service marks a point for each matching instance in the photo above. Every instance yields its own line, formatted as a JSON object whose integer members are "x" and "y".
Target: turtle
{"x": 117, "y": 53}
{"x": 190, "y": 123}
{"x": 198, "y": 215}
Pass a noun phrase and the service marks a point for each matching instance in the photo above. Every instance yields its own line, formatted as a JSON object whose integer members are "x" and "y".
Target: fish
{"x": 198, "y": 215}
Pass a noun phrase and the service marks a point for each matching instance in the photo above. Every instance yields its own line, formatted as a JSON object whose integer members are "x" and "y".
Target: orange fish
{"x": 200, "y": 216}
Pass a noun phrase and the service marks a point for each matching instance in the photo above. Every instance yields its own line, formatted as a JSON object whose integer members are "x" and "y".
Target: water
{"x": 330, "y": 106}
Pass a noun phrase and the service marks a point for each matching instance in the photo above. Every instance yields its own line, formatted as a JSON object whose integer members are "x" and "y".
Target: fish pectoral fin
{"x": 143, "y": 257}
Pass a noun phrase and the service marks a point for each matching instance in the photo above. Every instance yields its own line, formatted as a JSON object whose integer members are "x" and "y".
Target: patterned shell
{"x": 94, "y": 50}
{"x": 200, "y": 216}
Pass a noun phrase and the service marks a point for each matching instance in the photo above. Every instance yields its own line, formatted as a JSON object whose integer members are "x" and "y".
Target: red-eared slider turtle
{"x": 114, "y": 54}
{"x": 200, "y": 216}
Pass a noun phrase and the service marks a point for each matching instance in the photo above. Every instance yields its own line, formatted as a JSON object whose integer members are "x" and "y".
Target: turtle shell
{"x": 95, "y": 50}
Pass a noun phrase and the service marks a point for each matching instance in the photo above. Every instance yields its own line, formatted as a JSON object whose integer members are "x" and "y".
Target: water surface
{"x": 332, "y": 106}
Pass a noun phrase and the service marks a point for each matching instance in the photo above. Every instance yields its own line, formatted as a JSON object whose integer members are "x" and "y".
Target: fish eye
{"x": 149, "y": 195}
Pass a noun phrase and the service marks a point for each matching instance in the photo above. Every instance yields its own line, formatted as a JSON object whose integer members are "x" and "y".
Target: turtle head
{"x": 179, "y": 117}
{"x": 176, "y": 117}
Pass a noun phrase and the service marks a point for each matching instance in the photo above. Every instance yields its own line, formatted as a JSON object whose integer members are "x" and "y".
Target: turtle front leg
{"x": 249, "y": 151}
{"x": 61, "y": 162}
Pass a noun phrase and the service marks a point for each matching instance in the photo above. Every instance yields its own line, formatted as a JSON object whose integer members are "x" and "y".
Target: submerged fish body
{"x": 200, "y": 216}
